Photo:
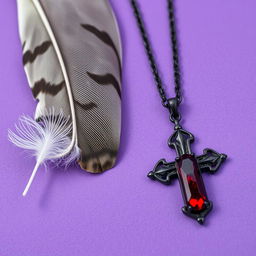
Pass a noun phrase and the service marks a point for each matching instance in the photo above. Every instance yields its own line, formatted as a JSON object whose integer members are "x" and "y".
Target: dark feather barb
{"x": 48, "y": 88}
{"x": 105, "y": 38}
{"x": 107, "y": 79}
{"x": 29, "y": 57}
{"x": 88, "y": 106}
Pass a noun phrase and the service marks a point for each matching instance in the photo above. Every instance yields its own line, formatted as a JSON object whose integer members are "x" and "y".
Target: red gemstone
{"x": 191, "y": 182}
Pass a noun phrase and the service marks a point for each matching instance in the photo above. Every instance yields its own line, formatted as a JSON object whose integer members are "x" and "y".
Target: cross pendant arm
{"x": 164, "y": 172}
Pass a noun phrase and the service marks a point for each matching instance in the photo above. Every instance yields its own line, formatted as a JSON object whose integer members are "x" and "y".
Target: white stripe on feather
{"x": 45, "y": 21}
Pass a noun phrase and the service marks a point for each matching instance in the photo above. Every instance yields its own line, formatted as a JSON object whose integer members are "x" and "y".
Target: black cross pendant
{"x": 188, "y": 169}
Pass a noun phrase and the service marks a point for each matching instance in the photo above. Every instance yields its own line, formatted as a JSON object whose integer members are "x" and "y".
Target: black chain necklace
{"x": 187, "y": 167}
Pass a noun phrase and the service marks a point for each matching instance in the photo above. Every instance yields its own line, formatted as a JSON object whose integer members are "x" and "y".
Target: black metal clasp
{"x": 173, "y": 105}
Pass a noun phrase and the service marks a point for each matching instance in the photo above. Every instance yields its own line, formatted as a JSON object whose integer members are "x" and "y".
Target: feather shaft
{"x": 31, "y": 178}
{"x": 64, "y": 72}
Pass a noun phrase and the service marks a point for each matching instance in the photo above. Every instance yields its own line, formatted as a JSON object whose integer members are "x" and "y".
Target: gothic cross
{"x": 188, "y": 168}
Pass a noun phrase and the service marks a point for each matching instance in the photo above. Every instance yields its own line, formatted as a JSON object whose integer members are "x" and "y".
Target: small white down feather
{"x": 46, "y": 139}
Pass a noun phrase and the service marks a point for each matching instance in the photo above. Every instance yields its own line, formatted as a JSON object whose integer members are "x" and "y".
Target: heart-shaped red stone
{"x": 197, "y": 203}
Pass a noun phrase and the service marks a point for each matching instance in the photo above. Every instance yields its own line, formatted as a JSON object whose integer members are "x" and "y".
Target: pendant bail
{"x": 173, "y": 105}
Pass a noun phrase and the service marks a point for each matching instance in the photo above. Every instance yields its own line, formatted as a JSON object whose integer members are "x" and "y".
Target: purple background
{"x": 122, "y": 212}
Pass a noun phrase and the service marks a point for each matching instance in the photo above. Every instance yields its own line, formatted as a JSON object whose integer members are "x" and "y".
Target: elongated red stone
{"x": 191, "y": 182}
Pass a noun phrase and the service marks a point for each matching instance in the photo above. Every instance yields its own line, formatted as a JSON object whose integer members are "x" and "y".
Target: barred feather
{"x": 72, "y": 59}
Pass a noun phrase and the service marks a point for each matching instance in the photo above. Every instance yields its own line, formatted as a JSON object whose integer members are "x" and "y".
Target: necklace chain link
{"x": 173, "y": 103}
